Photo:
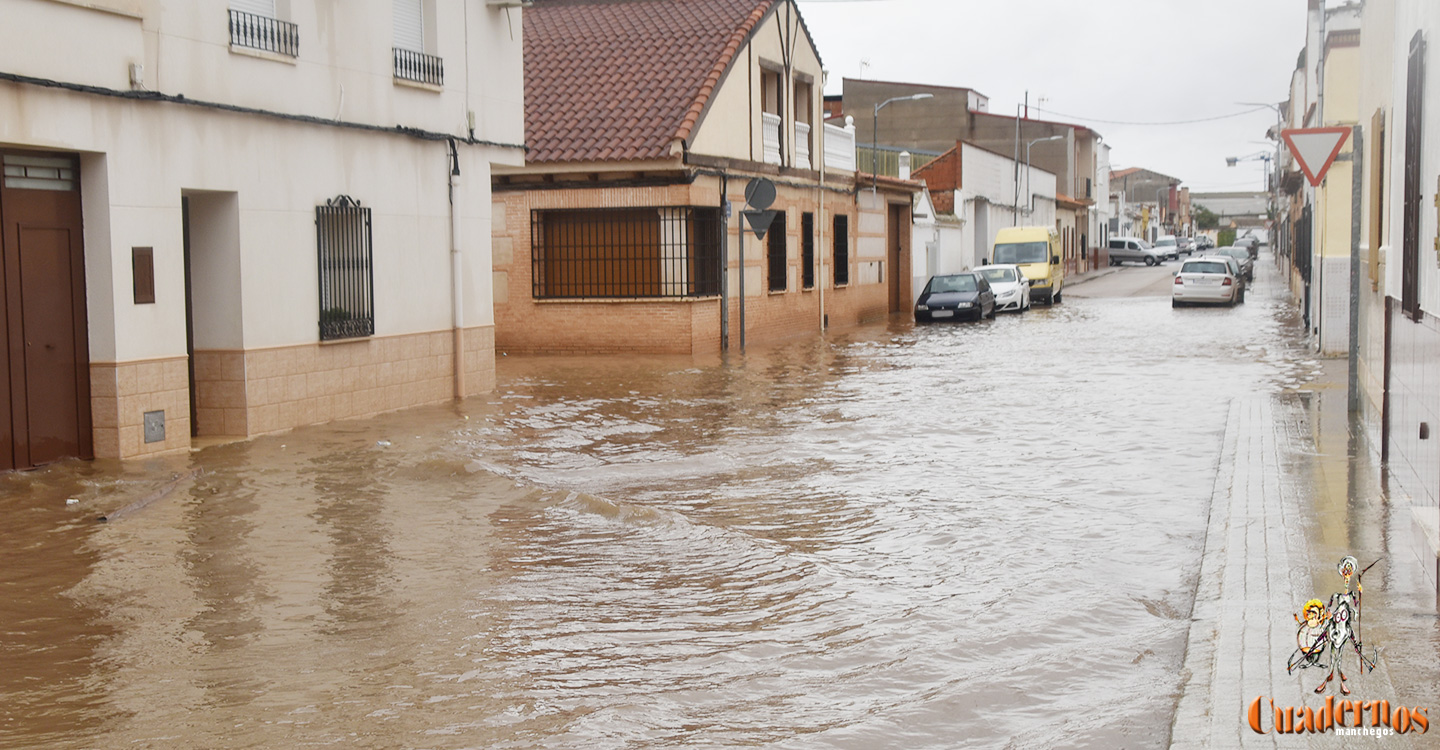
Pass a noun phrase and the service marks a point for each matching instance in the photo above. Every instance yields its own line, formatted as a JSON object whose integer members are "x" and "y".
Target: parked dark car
{"x": 1240, "y": 254}
{"x": 955, "y": 296}
{"x": 1250, "y": 243}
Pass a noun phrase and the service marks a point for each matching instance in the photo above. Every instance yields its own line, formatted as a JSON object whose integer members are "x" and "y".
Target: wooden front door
{"x": 45, "y": 363}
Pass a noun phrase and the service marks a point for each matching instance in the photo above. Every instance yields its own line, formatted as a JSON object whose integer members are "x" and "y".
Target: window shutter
{"x": 409, "y": 25}
{"x": 258, "y": 7}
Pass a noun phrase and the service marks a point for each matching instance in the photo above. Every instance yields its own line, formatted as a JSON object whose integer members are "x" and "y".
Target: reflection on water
{"x": 890, "y": 538}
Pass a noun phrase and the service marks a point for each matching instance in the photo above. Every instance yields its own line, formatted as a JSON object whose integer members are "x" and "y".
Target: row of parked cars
{"x": 1168, "y": 247}
{"x": 1026, "y": 267}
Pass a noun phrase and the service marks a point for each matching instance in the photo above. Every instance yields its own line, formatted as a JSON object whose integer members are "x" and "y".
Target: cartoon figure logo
{"x": 1332, "y": 629}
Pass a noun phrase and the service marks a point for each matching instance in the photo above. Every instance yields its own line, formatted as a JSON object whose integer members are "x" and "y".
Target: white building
{"x": 979, "y": 188}
{"x": 236, "y": 218}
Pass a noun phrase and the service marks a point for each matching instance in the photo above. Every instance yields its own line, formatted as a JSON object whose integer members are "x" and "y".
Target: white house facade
{"x": 244, "y": 217}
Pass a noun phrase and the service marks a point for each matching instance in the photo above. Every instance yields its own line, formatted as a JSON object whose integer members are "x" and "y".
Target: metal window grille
{"x": 255, "y": 31}
{"x": 418, "y": 66}
{"x": 1414, "y": 113}
{"x": 625, "y": 253}
{"x": 347, "y": 295}
{"x": 841, "y": 249}
{"x": 775, "y": 242}
{"x": 807, "y": 250}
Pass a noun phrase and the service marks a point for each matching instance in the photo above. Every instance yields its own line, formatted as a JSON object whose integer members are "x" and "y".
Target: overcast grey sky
{"x": 1133, "y": 61}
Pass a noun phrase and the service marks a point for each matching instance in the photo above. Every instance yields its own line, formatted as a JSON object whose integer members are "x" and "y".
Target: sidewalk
{"x": 1292, "y": 495}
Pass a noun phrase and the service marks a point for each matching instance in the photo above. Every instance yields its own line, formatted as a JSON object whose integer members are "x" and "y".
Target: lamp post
{"x": 1028, "y": 144}
{"x": 1273, "y": 190}
{"x": 875, "y": 134}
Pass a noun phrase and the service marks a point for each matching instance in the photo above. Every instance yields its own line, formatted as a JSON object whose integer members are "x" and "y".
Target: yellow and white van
{"x": 1037, "y": 251}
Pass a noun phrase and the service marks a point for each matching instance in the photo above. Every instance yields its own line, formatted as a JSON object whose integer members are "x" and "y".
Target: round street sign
{"x": 759, "y": 193}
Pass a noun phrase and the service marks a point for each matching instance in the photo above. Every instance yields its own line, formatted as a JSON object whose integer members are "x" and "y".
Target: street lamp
{"x": 1028, "y": 144}
{"x": 1273, "y": 190}
{"x": 875, "y": 134}
{"x": 1264, "y": 156}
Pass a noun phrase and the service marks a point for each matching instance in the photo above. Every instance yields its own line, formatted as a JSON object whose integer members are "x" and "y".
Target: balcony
{"x": 840, "y": 146}
{"x": 770, "y": 137}
{"x": 419, "y": 67}
{"x": 257, "y": 32}
{"x": 802, "y": 145}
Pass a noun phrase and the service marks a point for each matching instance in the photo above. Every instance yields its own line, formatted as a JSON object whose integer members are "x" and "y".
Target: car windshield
{"x": 1205, "y": 267}
{"x": 1234, "y": 252}
{"x": 941, "y": 284}
{"x": 1165, "y": 242}
{"x": 1000, "y": 275}
{"x": 1022, "y": 252}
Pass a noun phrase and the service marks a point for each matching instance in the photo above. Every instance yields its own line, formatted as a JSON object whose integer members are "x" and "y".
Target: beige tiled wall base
{"x": 121, "y": 393}
{"x": 253, "y": 392}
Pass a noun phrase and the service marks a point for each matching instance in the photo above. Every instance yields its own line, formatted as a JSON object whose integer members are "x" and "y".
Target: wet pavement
{"x": 981, "y": 535}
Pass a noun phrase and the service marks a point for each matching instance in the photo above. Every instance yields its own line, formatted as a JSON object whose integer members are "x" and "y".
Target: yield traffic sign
{"x": 1315, "y": 149}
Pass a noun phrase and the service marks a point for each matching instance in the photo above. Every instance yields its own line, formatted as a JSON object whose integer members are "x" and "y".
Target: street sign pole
{"x": 759, "y": 194}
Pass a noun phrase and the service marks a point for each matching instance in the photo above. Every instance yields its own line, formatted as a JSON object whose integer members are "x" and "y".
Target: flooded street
{"x": 921, "y": 537}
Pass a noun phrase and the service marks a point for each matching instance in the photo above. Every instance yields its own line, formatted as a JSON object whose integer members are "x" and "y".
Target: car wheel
{"x": 1057, "y": 297}
{"x": 1175, "y": 303}
{"x": 1150, "y": 260}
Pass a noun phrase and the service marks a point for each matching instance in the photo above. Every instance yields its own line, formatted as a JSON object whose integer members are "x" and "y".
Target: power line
{"x": 1123, "y": 122}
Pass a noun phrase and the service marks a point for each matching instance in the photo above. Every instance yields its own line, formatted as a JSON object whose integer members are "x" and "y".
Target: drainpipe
{"x": 457, "y": 294}
{"x": 820, "y": 248}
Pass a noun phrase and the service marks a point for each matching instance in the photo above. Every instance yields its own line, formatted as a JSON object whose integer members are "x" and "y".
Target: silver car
{"x": 1124, "y": 249}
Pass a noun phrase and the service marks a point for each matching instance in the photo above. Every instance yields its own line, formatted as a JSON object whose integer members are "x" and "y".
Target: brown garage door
{"x": 44, "y": 368}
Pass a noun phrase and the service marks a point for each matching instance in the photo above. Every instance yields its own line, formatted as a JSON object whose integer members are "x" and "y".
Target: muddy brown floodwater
{"x": 917, "y": 537}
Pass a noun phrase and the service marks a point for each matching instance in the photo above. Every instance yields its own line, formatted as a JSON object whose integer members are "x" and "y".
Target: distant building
{"x": 1240, "y": 211}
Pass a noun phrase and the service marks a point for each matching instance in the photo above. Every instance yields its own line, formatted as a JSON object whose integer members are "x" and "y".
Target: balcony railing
{"x": 254, "y": 31}
{"x": 802, "y": 145}
{"x": 840, "y": 146}
{"x": 886, "y": 160}
{"x": 419, "y": 67}
{"x": 770, "y": 133}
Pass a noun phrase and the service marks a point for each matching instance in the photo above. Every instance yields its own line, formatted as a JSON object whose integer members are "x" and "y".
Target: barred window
{"x": 841, "y": 239}
{"x": 625, "y": 253}
{"x": 347, "y": 297}
{"x": 807, "y": 250}
{"x": 775, "y": 250}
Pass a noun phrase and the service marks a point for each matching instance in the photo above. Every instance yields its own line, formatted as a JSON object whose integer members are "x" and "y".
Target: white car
{"x": 1209, "y": 280}
{"x": 1168, "y": 246}
{"x": 1012, "y": 289}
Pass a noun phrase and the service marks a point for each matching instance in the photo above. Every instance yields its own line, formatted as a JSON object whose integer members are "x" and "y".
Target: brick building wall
{"x": 524, "y": 324}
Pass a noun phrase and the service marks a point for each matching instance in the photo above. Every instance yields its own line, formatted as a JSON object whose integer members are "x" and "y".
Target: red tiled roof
{"x": 620, "y": 80}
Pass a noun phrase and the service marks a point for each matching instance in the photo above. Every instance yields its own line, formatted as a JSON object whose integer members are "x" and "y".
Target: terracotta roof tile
{"x": 623, "y": 79}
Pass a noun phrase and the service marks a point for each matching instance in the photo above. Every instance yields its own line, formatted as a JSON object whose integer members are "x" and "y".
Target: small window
{"x": 841, "y": 250}
{"x": 775, "y": 249}
{"x": 347, "y": 297}
{"x": 411, "y": 61}
{"x": 253, "y": 25}
{"x": 807, "y": 250}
